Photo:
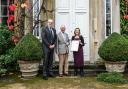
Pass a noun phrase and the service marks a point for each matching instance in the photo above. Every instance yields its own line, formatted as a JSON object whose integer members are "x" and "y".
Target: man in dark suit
{"x": 49, "y": 38}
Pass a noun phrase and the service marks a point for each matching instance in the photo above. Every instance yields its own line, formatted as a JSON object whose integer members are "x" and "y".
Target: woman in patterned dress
{"x": 78, "y": 55}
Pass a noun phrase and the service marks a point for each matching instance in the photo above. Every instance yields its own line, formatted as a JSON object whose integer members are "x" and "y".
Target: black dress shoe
{"x": 45, "y": 77}
{"x": 51, "y": 75}
{"x": 81, "y": 74}
{"x": 75, "y": 73}
{"x": 60, "y": 75}
{"x": 66, "y": 74}
{"x": 81, "y": 71}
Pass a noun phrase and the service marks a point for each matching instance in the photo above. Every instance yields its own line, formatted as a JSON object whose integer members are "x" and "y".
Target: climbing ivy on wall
{"x": 124, "y": 16}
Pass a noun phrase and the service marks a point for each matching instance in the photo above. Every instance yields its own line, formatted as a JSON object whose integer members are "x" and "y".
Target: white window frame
{"x": 110, "y": 18}
{"x": 36, "y": 8}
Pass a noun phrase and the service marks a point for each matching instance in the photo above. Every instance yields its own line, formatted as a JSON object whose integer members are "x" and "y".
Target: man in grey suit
{"x": 63, "y": 50}
{"x": 48, "y": 41}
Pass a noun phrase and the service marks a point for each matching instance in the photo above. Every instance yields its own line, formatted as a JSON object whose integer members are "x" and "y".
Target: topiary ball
{"x": 114, "y": 48}
{"x": 28, "y": 48}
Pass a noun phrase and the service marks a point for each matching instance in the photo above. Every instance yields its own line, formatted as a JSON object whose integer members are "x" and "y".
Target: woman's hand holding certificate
{"x": 75, "y": 45}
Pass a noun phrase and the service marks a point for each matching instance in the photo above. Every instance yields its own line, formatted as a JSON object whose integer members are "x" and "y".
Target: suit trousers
{"x": 63, "y": 63}
{"x": 48, "y": 63}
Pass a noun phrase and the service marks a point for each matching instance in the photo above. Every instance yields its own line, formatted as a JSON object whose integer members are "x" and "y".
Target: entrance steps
{"x": 89, "y": 68}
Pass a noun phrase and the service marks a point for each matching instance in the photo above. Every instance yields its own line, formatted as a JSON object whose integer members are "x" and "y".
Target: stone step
{"x": 87, "y": 72}
{"x": 89, "y": 69}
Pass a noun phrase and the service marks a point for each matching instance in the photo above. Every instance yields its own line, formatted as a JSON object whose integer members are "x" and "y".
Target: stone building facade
{"x": 97, "y": 19}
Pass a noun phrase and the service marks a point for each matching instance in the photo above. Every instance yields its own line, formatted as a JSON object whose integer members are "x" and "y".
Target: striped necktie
{"x": 51, "y": 32}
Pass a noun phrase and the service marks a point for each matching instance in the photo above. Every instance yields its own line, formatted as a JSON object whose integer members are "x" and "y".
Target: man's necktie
{"x": 51, "y": 34}
{"x": 51, "y": 31}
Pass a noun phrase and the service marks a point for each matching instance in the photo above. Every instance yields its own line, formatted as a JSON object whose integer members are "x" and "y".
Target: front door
{"x": 74, "y": 13}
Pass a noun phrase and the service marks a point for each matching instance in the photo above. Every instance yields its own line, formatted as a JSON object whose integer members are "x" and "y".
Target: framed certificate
{"x": 74, "y": 45}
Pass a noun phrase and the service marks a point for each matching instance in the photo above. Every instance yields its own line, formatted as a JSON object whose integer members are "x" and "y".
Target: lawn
{"x": 15, "y": 82}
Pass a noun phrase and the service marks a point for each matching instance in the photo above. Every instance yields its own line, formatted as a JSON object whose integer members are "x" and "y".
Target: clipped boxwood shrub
{"x": 114, "y": 48}
{"x": 112, "y": 77}
{"x": 28, "y": 48}
{"x": 126, "y": 36}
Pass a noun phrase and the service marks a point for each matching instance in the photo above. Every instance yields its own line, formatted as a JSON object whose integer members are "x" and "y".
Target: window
{"x": 4, "y": 10}
{"x": 36, "y": 10}
{"x": 108, "y": 17}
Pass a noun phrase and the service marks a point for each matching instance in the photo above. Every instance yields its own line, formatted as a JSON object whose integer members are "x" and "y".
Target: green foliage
{"x": 3, "y": 71}
{"x": 7, "y": 63}
{"x": 28, "y": 48}
{"x": 112, "y": 77}
{"x": 5, "y": 39}
{"x": 123, "y": 12}
{"x": 126, "y": 36}
{"x": 114, "y": 48}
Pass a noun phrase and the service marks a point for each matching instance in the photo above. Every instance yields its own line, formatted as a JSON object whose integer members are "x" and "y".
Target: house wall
{"x": 96, "y": 22}
{"x": 49, "y": 10}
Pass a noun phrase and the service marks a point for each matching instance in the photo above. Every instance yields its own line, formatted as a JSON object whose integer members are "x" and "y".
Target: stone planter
{"x": 115, "y": 66}
{"x": 29, "y": 69}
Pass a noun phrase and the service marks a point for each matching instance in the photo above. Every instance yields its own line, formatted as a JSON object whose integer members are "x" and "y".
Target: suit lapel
{"x": 61, "y": 37}
{"x": 47, "y": 29}
{"x": 53, "y": 33}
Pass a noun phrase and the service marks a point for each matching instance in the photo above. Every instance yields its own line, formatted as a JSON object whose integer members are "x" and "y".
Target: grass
{"x": 14, "y": 82}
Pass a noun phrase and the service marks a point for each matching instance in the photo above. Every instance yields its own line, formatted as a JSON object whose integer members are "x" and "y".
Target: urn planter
{"x": 115, "y": 66}
{"x": 114, "y": 51}
{"x": 28, "y": 69}
{"x": 28, "y": 53}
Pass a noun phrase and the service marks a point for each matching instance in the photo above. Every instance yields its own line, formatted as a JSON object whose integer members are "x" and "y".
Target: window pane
{"x": 4, "y": 2}
{"x": 108, "y": 8}
{"x": 108, "y": 30}
{"x": 4, "y": 10}
{"x": 4, "y": 20}
{"x": 108, "y": 22}
{"x": 36, "y": 9}
{"x": 107, "y": 0}
{"x": 108, "y": 17}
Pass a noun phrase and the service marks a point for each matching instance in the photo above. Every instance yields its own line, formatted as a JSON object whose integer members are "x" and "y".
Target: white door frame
{"x": 73, "y": 24}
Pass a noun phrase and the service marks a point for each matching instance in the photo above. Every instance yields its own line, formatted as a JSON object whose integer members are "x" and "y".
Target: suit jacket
{"x": 48, "y": 38}
{"x": 62, "y": 43}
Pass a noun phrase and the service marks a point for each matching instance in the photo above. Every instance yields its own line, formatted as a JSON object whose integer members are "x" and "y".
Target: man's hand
{"x": 51, "y": 46}
{"x": 67, "y": 44}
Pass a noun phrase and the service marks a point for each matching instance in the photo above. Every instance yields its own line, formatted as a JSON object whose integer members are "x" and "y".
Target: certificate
{"x": 74, "y": 45}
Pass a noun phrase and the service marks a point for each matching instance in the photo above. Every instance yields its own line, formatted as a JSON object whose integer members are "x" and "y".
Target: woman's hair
{"x": 75, "y": 31}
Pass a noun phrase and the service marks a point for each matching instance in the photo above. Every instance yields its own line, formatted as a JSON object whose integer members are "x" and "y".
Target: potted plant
{"x": 114, "y": 50}
{"x": 29, "y": 52}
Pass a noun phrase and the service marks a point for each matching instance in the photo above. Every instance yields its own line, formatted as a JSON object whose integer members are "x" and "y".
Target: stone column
{"x": 93, "y": 29}
{"x": 91, "y": 37}
{"x": 97, "y": 27}
{"x": 29, "y": 17}
{"x": 116, "y": 16}
{"x": 100, "y": 28}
